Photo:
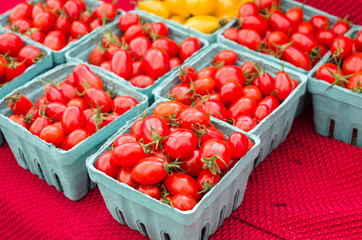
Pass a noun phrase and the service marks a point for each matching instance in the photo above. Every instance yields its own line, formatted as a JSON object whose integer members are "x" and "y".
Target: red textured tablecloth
{"x": 310, "y": 187}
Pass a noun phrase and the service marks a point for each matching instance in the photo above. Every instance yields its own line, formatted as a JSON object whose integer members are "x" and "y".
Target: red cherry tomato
{"x": 183, "y": 201}
{"x": 251, "y": 92}
{"x": 55, "y": 40}
{"x": 122, "y": 104}
{"x": 239, "y": 144}
{"x": 14, "y": 69}
{"x": 127, "y": 154}
{"x": 304, "y": 42}
{"x": 282, "y": 86}
{"x": 45, "y": 21}
{"x": 250, "y": 38}
{"x": 142, "y": 81}
{"x": 133, "y": 32}
{"x": 55, "y": 110}
{"x": 124, "y": 175}
{"x": 10, "y": 43}
{"x": 227, "y": 57}
{"x": 181, "y": 144}
{"x": 305, "y": 27}
{"x": 149, "y": 170}
{"x": 97, "y": 97}
{"x": 255, "y": 22}
{"x": 229, "y": 73}
{"x": 127, "y": 20}
{"x": 279, "y": 22}
{"x": 216, "y": 109}
{"x": 181, "y": 93}
{"x": 242, "y": 106}
{"x": 245, "y": 122}
{"x": 188, "y": 47}
{"x": 20, "y": 11}
{"x": 319, "y": 22}
{"x": 341, "y": 27}
{"x": 21, "y": 120}
{"x": 212, "y": 133}
{"x": 354, "y": 81}
{"x": 106, "y": 10}
{"x": 84, "y": 76}
{"x": 353, "y": 63}
{"x": 53, "y": 135}
{"x": 248, "y": 9}
{"x": 191, "y": 117}
{"x": 155, "y": 63}
{"x": 151, "y": 126}
{"x": 276, "y": 38}
{"x": 152, "y": 191}
{"x": 73, "y": 118}
{"x": 231, "y": 34}
{"x": 159, "y": 29}
{"x": 73, "y": 10}
{"x": 207, "y": 180}
{"x": 139, "y": 46}
{"x": 38, "y": 125}
{"x": 295, "y": 15}
{"x": 79, "y": 29}
{"x": 182, "y": 183}
{"x": 341, "y": 46}
{"x": 125, "y": 138}
{"x": 74, "y": 138}
{"x": 175, "y": 62}
{"x": 105, "y": 165}
{"x": 168, "y": 45}
{"x": 324, "y": 73}
{"x": 215, "y": 154}
{"x": 297, "y": 57}
{"x": 325, "y": 37}
{"x": 80, "y": 102}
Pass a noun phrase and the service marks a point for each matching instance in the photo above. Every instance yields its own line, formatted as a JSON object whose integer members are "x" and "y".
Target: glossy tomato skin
{"x": 105, "y": 165}
{"x": 74, "y": 138}
{"x": 245, "y": 122}
{"x": 19, "y": 104}
{"x": 182, "y": 183}
{"x": 103, "y": 100}
{"x": 55, "y": 40}
{"x": 136, "y": 128}
{"x": 28, "y": 54}
{"x": 181, "y": 144}
{"x": 218, "y": 148}
{"x": 122, "y": 104}
{"x": 193, "y": 165}
{"x": 127, "y": 20}
{"x": 229, "y": 73}
{"x": 242, "y": 106}
{"x": 207, "y": 72}
{"x": 255, "y": 22}
{"x": 353, "y": 63}
{"x": 107, "y": 9}
{"x": 83, "y": 76}
{"x": 122, "y": 64}
{"x": 297, "y": 57}
{"x": 125, "y": 138}
{"x": 319, "y": 22}
{"x": 250, "y": 38}
{"x": 239, "y": 144}
{"x": 134, "y": 32}
{"x": 157, "y": 125}
{"x": 38, "y": 125}
{"x": 252, "y": 92}
{"x": 45, "y": 21}
{"x": 19, "y": 120}
{"x": 142, "y": 81}
{"x": 152, "y": 191}
{"x": 124, "y": 175}
{"x": 183, "y": 201}
{"x": 53, "y": 94}
{"x": 341, "y": 46}
{"x": 53, "y": 135}
{"x": 21, "y": 10}
{"x": 127, "y": 154}
{"x": 175, "y": 62}
{"x": 180, "y": 93}
{"x": 188, "y": 47}
{"x": 277, "y": 38}
{"x": 78, "y": 29}
{"x": 248, "y": 9}
{"x": 188, "y": 74}
{"x": 10, "y": 43}
{"x": 231, "y": 34}
{"x": 261, "y": 112}
{"x": 216, "y": 109}
{"x": 206, "y": 180}
{"x": 55, "y": 110}
{"x": 304, "y": 42}
{"x": 149, "y": 170}
{"x": 80, "y": 102}
{"x": 325, "y": 37}
{"x": 14, "y": 70}
{"x": 271, "y": 101}
{"x": 212, "y": 133}
{"x": 73, "y": 118}
{"x": 279, "y": 22}
{"x": 324, "y": 72}
{"x": 139, "y": 45}
{"x": 227, "y": 57}
{"x": 166, "y": 109}
{"x": 295, "y": 15}
{"x": 155, "y": 63}
{"x": 193, "y": 116}
{"x": 282, "y": 86}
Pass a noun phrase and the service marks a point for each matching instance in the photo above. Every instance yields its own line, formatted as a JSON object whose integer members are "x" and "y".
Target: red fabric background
{"x": 310, "y": 187}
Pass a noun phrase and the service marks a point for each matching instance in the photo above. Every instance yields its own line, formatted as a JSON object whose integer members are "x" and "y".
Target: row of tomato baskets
{"x": 171, "y": 123}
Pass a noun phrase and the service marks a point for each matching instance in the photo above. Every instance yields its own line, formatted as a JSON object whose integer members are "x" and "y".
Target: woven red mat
{"x": 310, "y": 187}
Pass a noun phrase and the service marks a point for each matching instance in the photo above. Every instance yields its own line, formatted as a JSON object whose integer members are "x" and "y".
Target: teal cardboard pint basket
{"x": 273, "y": 129}
{"x": 82, "y": 51}
{"x": 158, "y": 220}
{"x": 36, "y": 69}
{"x": 58, "y": 56}
{"x": 65, "y": 170}
{"x": 337, "y": 111}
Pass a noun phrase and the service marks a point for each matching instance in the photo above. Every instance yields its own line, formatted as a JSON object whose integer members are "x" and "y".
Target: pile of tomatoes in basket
{"x": 347, "y": 69}
{"x": 59, "y": 22}
{"x": 15, "y": 57}
{"x": 284, "y": 35}
{"x": 143, "y": 53}
{"x": 71, "y": 110}
{"x": 175, "y": 155}
{"x": 242, "y": 95}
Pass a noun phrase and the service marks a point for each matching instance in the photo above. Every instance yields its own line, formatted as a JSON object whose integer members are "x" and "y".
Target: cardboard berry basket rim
{"x": 82, "y": 51}
{"x": 158, "y": 220}
{"x": 339, "y": 104}
{"x": 65, "y": 170}
{"x": 58, "y": 56}
{"x": 274, "y": 128}
{"x": 32, "y": 71}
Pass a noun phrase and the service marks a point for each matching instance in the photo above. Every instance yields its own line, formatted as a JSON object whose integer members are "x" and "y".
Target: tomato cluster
{"x": 59, "y": 22}
{"x": 15, "y": 57}
{"x": 347, "y": 72}
{"x": 70, "y": 111}
{"x": 143, "y": 53}
{"x": 284, "y": 35}
{"x": 242, "y": 95}
{"x": 175, "y": 155}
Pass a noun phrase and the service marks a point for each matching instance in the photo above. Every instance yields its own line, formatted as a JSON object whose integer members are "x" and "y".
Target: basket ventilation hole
{"x": 40, "y": 170}
{"x": 222, "y": 216}
{"x": 21, "y": 154}
{"x": 258, "y": 158}
{"x": 331, "y": 127}
{"x": 142, "y": 228}
{"x": 121, "y": 217}
{"x": 57, "y": 182}
{"x": 236, "y": 198}
{"x": 205, "y": 232}
{"x": 165, "y": 236}
{"x": 354, "y": 136}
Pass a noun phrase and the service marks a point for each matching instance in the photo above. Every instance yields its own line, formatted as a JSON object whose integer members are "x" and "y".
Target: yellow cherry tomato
{"x": 177, "y": 7}
{"x": 227, "y": 8}
{"x": 201, "y": 7}
{"x": 204, "y": 23}
{"x": 178, "y": 19}
{"x": 156, "y": 7}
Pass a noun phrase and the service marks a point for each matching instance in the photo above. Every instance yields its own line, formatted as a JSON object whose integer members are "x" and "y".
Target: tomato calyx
{"x": 218, "y": 64}
{"x": 12, "y": 63}
{"x": 157, "y": 139}
{"x": 174, "y": 121}
{"x": 315, "y": 53}
{"x": 15, "y": 28}
{"x": 165, "y": 196}
{"x": 39, "y": 57}
{"x": 358, "y": 89}
{"x": 206, "y": 186}
{"x": 173, "y": 166}
{"x": 345, "y": 19}
{"x": 29, "y": 118}
{"x": 13, "y": 99}
{"x": 97, "y": 116}
{"x": 111, "y": 39}
{"x": 339, "y": 79}
{"x": 200, "y": 131}
{"x": 281, "y": 48}
{"x": 211, "y": 164}
{"x": 250, "y": 75}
